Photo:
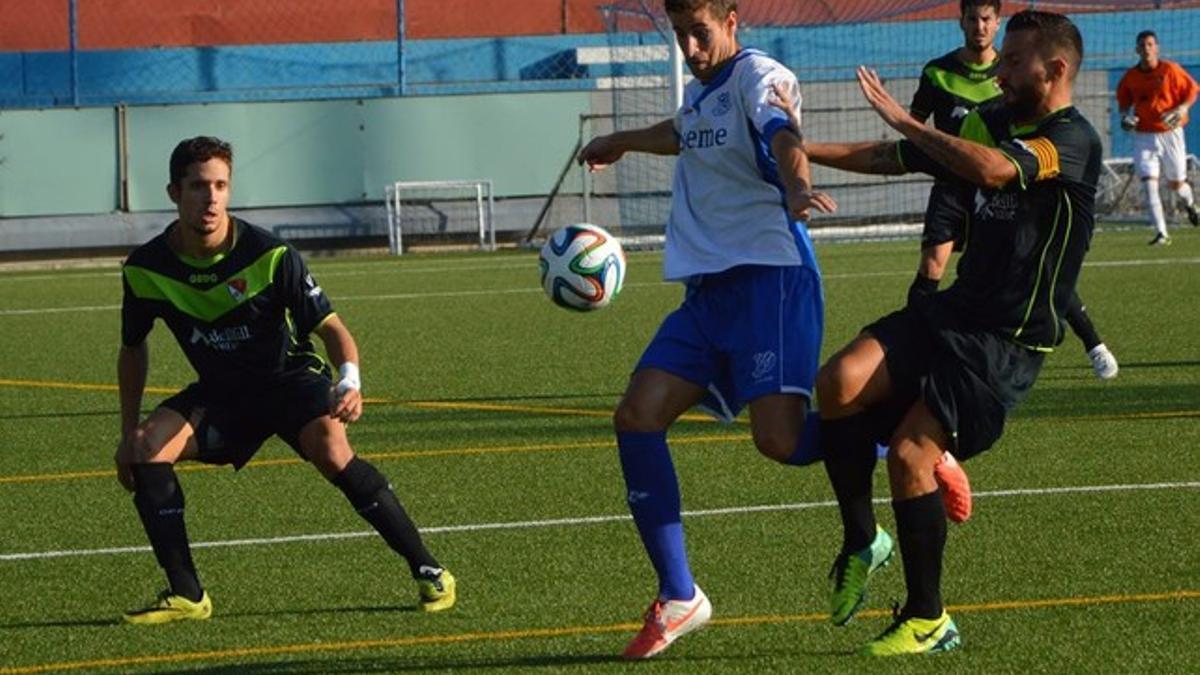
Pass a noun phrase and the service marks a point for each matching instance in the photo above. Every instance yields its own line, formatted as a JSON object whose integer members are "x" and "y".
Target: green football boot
{"x": 850, "y": 574}
{"x": 437, "y": 592}
{"x": 169, "y": 607}
{"x": 915, "y": 636}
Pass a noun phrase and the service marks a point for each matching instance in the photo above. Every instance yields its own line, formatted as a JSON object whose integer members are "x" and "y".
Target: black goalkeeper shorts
{"x": 946, "y": 215}
{"x": 230, "y": 426}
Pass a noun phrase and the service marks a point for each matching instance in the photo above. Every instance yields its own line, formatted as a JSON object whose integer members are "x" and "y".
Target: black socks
{"x": 921, "y": 529}
{"x": 372, "y": 496}
{"x": 159, "y": 501}
{"x": 848, "y": 445}
{"x": 1081, "y": 323}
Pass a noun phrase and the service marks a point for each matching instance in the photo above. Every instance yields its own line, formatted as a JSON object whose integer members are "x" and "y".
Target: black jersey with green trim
{"x": 242, "y": 319}
{"x": 1027, "y": 239}
{"x": 949, "y": 89}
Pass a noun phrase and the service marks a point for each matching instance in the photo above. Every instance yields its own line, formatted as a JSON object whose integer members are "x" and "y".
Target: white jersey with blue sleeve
{"x": 728, "y": 205}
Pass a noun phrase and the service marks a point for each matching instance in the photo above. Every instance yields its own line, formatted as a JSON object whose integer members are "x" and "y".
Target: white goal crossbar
{"x": 401, "y": 197}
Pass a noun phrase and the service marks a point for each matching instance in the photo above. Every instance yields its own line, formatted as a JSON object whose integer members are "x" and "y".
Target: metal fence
{"x": 106, "y": 52}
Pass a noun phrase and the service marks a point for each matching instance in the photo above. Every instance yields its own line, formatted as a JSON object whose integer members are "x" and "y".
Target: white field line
{"x": 334, "y": 269}
{"x": 588, "y": 520}
{"x": 59, "y": 310}
{"x": 534, "y": 289}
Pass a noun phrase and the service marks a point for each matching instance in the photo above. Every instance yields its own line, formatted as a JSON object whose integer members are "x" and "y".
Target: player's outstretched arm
{"x": 133, "y": 364}
{"x": 343, "y": 352}
{"x": 870, "y": 157}
{"x": 873, "y": 157}
{"x": 794, "y": 171}
{"x": 972, "y": 162}
{"x": 602, "y": 151}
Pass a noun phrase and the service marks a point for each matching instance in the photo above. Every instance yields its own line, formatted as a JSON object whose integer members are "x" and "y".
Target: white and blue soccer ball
{"x": 583, "y": 267}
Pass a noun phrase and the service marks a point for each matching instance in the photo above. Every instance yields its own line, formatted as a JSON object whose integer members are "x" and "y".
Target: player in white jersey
{"x": 749, "y": 329}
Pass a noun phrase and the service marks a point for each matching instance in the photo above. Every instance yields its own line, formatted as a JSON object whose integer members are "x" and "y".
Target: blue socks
{"x": 653, "y": 497}
{"x": 808, "y": 448}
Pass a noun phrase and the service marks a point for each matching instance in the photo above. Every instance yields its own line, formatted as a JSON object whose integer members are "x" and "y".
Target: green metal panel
{"x": 284, "y": 154}
{"x": 519, "y": 141}
{"x": 289, "y": 154}
{"x": 58, "y": 162}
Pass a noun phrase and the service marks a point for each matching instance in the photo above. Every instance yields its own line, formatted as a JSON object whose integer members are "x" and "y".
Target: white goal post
{"x": 440, "y": 212}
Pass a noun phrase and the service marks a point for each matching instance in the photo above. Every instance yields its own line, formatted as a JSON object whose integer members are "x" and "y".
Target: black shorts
{"x": 946, "y": 215}
{"x": 969, "y": 378}
{"x": 231, "y": 426}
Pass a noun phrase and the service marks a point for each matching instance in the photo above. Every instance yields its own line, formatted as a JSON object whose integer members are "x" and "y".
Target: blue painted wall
{"x": 480, "y": 65}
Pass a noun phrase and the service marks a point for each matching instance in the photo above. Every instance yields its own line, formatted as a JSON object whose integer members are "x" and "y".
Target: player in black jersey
{"x": 951, "y": 86}
{"x": 941, "y": 375}
{"x": 241, "y": 305}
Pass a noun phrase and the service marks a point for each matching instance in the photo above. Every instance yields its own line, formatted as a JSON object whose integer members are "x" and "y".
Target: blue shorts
{"x": 744, "y": 333}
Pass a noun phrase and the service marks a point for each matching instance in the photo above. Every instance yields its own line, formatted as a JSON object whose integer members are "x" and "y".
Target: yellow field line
{"x": 540, "y": 410}
{"x": 420, "y": 405}
{"x": 398, "y": 454}
{"x": 567, "y": 631}
{"x": 546, "y": 410}
{"x": 78, "y": 386}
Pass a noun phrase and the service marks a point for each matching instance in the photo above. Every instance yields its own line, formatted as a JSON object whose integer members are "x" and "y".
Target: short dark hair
{"x": 720, "y": 8}
{"x": 964, "y": 5}
{"x": 1145, "y": 34}
{"x": 199, "y": 149}
{"x": 1055, "y": 32}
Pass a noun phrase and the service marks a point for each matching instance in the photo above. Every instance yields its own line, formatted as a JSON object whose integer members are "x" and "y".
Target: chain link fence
{"x": 107, "y": 52}
{"x": 823, "y": 42}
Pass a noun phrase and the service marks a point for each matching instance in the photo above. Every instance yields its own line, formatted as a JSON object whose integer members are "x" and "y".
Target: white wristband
{"x": 349, "y": 377}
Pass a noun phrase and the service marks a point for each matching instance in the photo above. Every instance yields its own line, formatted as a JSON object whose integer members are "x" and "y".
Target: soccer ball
{"x": 583, "y": 267}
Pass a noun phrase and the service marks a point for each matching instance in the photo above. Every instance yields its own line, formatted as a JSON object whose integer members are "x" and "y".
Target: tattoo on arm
{"x": 942, "y": 147}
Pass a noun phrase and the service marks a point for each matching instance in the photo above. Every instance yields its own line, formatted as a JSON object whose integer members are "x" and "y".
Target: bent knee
{"x": 631, "y": 417}
{"x": 326, "y": 447}
{"x": 147, "y": 444}
{"x": 775, "y": 446}
{"x": 833, "y": 390}
{"x": 909, "y": 458}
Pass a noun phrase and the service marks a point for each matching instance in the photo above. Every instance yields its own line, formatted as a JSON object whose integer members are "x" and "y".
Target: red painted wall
{"x": 122, "y": 24}
{"x": 481, "y": 18}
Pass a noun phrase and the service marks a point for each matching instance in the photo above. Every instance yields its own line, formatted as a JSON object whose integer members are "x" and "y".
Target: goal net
{"x": 823, "y": 42}
{"x": 455, "y": 213}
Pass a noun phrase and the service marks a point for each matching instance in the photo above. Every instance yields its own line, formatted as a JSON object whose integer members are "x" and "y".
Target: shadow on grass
{"x": 1111, "y": 400}
{"x": 74, "y": 623}
{"x": 399, "y": 664}
{"x": 115, "y": 620}
{"x": 518, "y": 398}
{"x": 59, "y": 414}
{"x": 1083, "y": 370}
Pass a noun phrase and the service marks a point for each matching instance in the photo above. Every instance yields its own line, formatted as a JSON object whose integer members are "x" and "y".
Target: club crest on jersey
{"x": 236, "y": 288}
{"x": 724, "y": 104}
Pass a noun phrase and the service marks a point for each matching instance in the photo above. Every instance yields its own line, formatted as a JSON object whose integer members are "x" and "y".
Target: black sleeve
{"x": 913, "y": 159}
{"x": 306, "y": 301}
{"x": 1062, "y": 148}
{"x": 924, "y": 101}
{"x": 137, "y": 316}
